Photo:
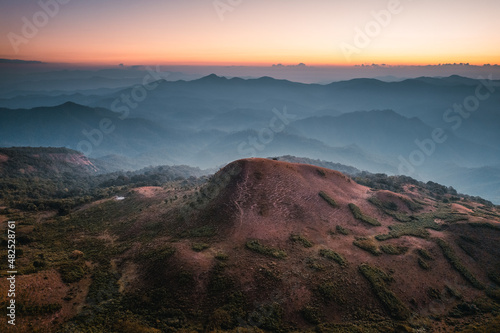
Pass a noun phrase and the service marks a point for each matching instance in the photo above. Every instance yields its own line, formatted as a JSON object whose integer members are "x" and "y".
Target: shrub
{"x": 328, "y": 199}
{"x": 72, "y": 271}
{"x": 256, "y": 246}
{"x": 356, "y": 212}
{"x": 315, "y": 265}
{"x": 198, "y": 247}
{"x": 341, "y": 230}
{"x": 378, "y": 280}
{"x": 219, "y": 319}
{"x": 157, "y": 254}
{"x": 388, "y": 209}
{"x": 415, "y": 228}
{"x": 422, "y": 263}
{"x": 301, "y": 239}
{"x": 321, "y": 172}
{"x": 326, "y": 290}
{"x": 221, "y": 256}
{"x": 332, "y": 255}
{"x": 425, "y": 254}
{"x": 457, "y": 264}
{"x": 394, "y": 250}
{"x": 367, "y": 244}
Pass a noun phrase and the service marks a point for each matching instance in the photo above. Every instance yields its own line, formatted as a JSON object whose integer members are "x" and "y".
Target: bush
{"x": 367, "y": 244}
{"x": 391, "y": 302}
{"x": 341, "y": 230}
{"x": 315, "y": 265}
{"x": 221, "y": 256}
{"x": 328, "y": 199}
{"x": 256, "y": 246}
{"x": 157, "y": 254}
{"x": 301, "y": 239}
{"x": 415, "y": 228}
{"x": 72, "y": 271}
{"x": 422, "y": 263}
{"x": 356, "y": 212}
{"x": 390, "y": 208}
{"x": 394, "y": 250}
{"x": 425, "y": 254}
{"x": 332, "y": 255}
{"x": 198, "y": 247}
{"x": 326, "y": 290}
{"x": 457, "y": 264}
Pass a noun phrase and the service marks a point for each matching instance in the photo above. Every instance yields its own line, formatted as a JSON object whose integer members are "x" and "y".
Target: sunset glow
{"x": 254, "y": 32}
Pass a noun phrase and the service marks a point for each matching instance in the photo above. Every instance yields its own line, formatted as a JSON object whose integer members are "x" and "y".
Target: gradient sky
{"x": 255, "y": 32}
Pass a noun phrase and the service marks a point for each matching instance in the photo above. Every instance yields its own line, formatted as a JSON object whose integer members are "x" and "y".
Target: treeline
{"x": 58, "y": 178}
{"x": 381, "y": 181}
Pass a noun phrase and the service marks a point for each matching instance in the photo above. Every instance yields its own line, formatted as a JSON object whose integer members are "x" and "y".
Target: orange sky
{"x": 253, "y": 32}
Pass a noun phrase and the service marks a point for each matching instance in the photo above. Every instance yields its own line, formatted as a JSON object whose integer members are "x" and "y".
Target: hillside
{"x": 268, "y": 245}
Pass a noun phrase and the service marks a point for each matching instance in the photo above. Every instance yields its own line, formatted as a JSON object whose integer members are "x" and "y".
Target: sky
{"x": 251, "y": 32}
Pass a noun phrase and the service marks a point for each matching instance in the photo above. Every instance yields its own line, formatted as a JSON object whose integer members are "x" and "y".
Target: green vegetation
{"x": 314, "y": 264}
{"x": 156, "y": 255}
{"x": 301, "y": 239}
{"x": 362, "y": 217}
{"x": 321, "y": 172}
{"x": 341, "y": 230}
{"x": 327, "y": 291}
{"x": 367, "y": 244}
{"x": 378, "y": 280}
{"x": 394, "y": 250}
{"x": 332, "y": 255}
{"x": 457, "y": 264}
{"x": 256, "y": 246}
{"x": 390, "y": 208}
{"x": 219, "y": 281}
{"x": 328, "y": 199}
{"x": 72, "y": 271}
{"x": 412, "y": 205}
{"x": 425, "y": 254}
{"x": 198, "y": 247}
{"x": 414, "y": 228}
{"x": 423, "y": 264}
{"x": 221, "y": 256}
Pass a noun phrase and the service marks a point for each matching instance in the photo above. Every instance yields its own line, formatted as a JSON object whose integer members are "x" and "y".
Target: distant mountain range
{"x": 366, "y": 123}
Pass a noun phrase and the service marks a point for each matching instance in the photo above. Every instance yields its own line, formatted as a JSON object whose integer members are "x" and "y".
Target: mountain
{"x": 99, "y": 132}
{"x": 94, "y": 131}
{"x": 367, "y": 123}
{"x": 389, "y": 134}
{"x": 45, "y": 162}
{"x": 265, "y": 245}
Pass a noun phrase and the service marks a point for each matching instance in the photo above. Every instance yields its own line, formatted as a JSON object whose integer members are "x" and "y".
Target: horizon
{"x": 239, "y": 33}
